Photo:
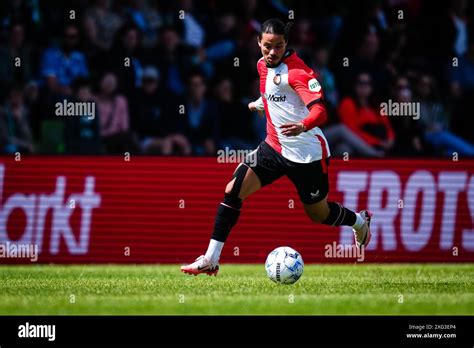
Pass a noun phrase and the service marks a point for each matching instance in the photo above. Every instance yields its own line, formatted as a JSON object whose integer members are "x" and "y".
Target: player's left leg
{"x": 312, "y": 182}
{"x": 334, "y": 214}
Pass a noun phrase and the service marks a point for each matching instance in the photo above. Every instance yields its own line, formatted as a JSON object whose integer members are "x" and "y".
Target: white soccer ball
{"x": 284, "y": 265}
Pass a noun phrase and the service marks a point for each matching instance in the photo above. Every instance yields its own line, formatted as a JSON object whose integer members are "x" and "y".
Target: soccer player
{"x": 292, "y": 99}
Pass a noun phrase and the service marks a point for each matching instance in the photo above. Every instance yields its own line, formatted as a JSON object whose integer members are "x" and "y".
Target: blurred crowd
{"x": 175, "y": 77}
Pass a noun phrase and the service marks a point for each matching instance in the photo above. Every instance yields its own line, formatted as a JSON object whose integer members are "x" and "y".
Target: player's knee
{"x": 235, "y": 185}
{"x": 229, "y": 191}
{"x": 229, "y": 186}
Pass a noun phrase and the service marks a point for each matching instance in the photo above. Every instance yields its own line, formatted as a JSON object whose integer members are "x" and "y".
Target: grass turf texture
{"x": 238, "y": 290}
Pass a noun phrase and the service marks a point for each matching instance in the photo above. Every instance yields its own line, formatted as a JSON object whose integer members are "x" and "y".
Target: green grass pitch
{"x": 361, "y": 289}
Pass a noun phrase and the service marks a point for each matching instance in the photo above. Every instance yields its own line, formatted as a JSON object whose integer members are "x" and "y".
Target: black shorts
{"x": 311, "y": 179}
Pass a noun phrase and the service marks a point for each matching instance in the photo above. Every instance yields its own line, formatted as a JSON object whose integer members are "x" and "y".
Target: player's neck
{"x": 288, "y": 52}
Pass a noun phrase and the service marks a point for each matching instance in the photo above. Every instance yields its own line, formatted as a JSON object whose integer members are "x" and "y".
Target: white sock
{"x": 214, "y": 250}
{"x": 359, "y": 221}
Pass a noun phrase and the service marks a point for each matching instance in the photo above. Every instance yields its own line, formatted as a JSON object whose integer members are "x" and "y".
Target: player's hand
{"x": 292, "y": 129}
{"x": 253, "y": 107}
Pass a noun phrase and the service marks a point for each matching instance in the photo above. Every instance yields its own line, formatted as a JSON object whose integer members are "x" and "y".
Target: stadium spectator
{"x": 126, "y": 60}
{"x": 362, "y": 117}
{"x": 458, "y": 30}
{"x": 31, "y": 93}
{"x": 21, "y": 11}
{"x": 248, "y": 13}
{"x": 220, "y": 45}
{"x": 259, "y": 122}
{"x": 193, "y": 32}
{"x": 60, "y": 66}
{"x": 235, "y": 121}
{"x": 114, "y": 119}
{"x": 435, "y": 121}
{"x": 210, "y": 50}
{"x": 247, "y": 54}
{"x": 15, "y": 132}
{"x": 462, "y": 74}
{"x": 364, "y": 59}
{"x": 147, "y": 19}
{"x": 198, "y": 125}
{"x": 461, "y": 123}
{"x": 303, "y": 38}
{"x": 409, "y": 139}
{"x": 101, "y": 24}
{"x": 346, "y": 142}
{"x": 82, "y": 132}
{"x": 173, "y": 60}
{"x": 15, "y": 59}
{"x": 151, "y": 110}
{"x": 462, "y": 90}
{"x": 387, "y": 39}
{"x": 329, "y": 21}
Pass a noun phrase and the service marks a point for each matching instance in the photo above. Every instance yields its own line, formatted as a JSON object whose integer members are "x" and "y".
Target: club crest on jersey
{"x": 277, "y": 79}
{"x": 314, "y": 85}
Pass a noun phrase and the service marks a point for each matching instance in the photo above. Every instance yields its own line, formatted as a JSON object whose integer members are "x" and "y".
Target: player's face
{"x": 273, "y": 47}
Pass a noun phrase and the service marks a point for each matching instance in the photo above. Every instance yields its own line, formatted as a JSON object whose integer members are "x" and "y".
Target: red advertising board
{"x": 161, "y": 210}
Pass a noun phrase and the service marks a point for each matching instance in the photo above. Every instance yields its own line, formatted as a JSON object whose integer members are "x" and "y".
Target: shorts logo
{"x": 277, "y": 79}
{"x": 314, "y": 85}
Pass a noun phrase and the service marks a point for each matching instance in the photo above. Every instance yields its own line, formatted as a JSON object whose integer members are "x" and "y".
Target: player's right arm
{"x": 257, "y": 105}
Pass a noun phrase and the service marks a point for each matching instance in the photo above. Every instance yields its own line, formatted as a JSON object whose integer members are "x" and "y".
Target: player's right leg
{"x": 243, "y": 184}
{"x": 248, "y": 178}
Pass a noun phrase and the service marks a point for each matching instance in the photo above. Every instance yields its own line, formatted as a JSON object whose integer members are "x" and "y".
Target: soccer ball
{"x": 284, "y": 265}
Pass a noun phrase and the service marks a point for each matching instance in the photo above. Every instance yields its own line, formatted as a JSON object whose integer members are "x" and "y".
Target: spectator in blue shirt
{"x": 60, "y": 66}
{"x": 462, "y": 74}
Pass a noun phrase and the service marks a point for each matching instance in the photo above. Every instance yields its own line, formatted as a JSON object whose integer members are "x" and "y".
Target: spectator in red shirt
{"x": 364, "y": 119}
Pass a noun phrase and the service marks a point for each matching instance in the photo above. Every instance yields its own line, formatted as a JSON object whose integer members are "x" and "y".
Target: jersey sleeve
{"x": 303, "y": 80}
{"x": 316, "y": 117}
{"x": 259, "y": 104}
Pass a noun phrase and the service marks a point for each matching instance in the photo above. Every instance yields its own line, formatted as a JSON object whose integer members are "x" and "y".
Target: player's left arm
{"x": 308, "y": 88}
